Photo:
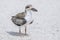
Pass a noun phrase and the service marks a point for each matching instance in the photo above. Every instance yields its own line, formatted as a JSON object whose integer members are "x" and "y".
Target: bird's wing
{"x": 20, "y": 15}
{"x": 18, "y": 21}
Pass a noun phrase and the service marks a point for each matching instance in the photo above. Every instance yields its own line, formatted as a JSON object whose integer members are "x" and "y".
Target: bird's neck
{"x": 28, "y": 12}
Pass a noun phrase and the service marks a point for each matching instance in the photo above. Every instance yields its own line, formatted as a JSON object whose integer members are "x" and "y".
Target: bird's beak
{"x": 33, "y": 9}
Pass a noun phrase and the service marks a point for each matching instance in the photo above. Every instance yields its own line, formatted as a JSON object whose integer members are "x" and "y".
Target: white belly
{"x": 28, "y": 17}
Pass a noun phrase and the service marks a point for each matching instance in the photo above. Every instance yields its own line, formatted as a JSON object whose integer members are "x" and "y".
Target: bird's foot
{"x": 26, "y": 34}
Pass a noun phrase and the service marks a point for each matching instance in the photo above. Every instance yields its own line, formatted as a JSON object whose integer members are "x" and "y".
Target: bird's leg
{"x": 25, "y": 30}
{"x": 19, "y": 29}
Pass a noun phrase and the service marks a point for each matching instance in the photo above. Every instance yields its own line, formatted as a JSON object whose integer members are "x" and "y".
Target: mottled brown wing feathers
{"x": 20, "y": 15}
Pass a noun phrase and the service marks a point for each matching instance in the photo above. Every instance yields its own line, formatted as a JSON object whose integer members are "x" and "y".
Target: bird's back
{"x": 21, "y": 15}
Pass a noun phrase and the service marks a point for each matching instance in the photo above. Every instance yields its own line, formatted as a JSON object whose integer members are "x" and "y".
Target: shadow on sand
{"x": 17, "y": 34}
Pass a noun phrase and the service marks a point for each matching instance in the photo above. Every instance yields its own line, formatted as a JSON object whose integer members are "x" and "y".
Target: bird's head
{"x": 29, "y": 7}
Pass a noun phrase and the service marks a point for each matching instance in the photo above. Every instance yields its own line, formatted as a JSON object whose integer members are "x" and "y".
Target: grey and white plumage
{"x": 24, "y": 17}
{"x": 18, "y": 21}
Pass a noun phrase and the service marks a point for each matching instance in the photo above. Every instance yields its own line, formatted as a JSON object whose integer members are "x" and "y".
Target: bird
{"x": 24, "y": 18}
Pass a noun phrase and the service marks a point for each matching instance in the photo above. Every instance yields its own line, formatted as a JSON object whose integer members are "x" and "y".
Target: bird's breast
{"x": 28, "y": 17}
